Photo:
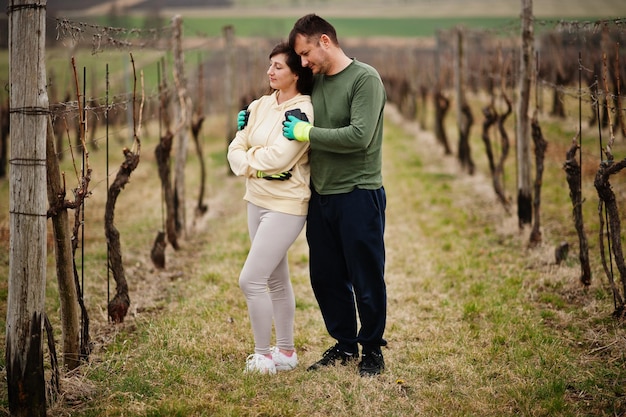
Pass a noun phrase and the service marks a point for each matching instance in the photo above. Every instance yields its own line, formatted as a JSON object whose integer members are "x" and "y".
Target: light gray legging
{"x": 265, "y": 279}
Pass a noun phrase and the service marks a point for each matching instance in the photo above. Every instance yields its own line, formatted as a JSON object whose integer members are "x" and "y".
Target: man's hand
{"x": 283, "y": 176}
{"x": 294, "y": 128}
{"x": 242, "y": 119}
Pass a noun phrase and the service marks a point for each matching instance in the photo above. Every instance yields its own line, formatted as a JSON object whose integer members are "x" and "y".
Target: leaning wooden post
{"x": 29, "y": 110}
{"x": 524, "y": 183}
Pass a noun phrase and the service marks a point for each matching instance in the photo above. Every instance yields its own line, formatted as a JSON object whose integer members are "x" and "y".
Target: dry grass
{"x": 478, "y": 324}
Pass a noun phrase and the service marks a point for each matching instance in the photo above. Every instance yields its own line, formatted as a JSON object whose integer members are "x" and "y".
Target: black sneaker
{"x": 331, "y": 356}
{"x": 371, "y": 364}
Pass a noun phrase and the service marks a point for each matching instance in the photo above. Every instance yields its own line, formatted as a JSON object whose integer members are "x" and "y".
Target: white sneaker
{"x": 259, "y": 363}
{"x": 282, "y": 361}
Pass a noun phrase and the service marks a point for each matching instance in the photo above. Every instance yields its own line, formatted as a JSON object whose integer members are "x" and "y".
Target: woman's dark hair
{"x": 305, "y": 75}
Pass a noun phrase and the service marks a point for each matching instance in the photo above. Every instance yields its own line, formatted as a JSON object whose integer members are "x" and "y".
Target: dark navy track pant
{"x": 345, "y": 233}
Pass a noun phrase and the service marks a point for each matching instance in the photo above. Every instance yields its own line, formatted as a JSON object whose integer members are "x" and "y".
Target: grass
{"x": 478, "y": 323}
{"x": 278, "y": 26}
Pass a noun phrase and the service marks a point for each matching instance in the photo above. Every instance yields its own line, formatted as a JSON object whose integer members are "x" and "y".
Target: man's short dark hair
{"x": 312, "y": 27}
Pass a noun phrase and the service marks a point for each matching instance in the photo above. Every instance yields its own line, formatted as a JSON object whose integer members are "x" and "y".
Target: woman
{"x": 277, "y": 195}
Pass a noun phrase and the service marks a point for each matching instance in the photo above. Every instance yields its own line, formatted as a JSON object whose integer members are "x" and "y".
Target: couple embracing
{"x": 311, "y": 153}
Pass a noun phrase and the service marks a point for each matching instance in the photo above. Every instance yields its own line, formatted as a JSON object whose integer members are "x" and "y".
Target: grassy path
{"x": 478, "y": 325}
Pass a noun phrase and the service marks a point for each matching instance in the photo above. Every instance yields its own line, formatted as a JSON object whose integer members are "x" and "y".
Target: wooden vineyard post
{"x": 524, "y": 186}
{"x": 29, "y": 110}
{"x": 183, "y": 127}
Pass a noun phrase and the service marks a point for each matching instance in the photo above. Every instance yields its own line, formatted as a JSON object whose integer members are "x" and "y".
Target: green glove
{"x": 283, "y": 176}
{"x": 294, "y": 128}
{"x": 242, "y": 119}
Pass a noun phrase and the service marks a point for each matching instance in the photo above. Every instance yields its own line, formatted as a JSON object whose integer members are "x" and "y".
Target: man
{"x": 346, "y": 218}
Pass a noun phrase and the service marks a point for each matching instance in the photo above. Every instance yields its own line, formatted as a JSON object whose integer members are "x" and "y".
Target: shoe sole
{"x": 259, "y": 372}
{"x": 342, "y": 362}
{"x": 370, "y": 373}
{"x": 285, "y": 367}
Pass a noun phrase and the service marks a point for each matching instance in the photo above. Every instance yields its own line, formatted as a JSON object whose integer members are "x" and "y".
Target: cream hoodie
{"x": 261, "y": 146}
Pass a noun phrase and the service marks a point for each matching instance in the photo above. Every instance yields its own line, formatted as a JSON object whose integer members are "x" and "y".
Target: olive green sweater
{"x": 346, "y": 140}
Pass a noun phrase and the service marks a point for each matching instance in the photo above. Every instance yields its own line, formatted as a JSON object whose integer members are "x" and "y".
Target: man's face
{"x": 312, "y": 53}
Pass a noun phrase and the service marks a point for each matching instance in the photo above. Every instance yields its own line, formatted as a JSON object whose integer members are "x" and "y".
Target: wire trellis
{"x": 105, "y": 37}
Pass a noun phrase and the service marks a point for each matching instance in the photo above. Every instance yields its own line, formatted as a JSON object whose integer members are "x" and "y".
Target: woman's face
{"x": 280, "y": 75}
